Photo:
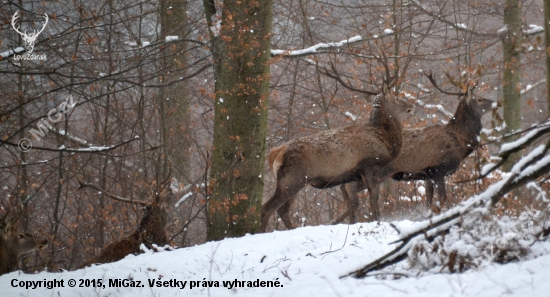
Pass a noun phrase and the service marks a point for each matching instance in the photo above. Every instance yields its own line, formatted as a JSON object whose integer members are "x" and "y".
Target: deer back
{"x": 117, "y": 250}
{"x": 333, "y": 156}
{"x": 443, "y": 146}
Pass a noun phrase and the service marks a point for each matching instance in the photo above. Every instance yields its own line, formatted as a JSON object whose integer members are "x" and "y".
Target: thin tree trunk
{"x": 241, "y": 49}
{"x": 547, "y": 38}
{"x": 173, "y": 98}
{"x": 511, "y": 88}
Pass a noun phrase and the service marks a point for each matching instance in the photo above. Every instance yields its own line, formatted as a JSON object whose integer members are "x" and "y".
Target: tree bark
{"x": 174, "y": 99}
{"x": 240, "y": 38}
{"x": 547, "y": 38}
{"x": 512, "y": 43}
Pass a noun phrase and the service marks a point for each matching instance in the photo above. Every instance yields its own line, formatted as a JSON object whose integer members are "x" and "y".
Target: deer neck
{"x": 151, "y": 228}
{"x": 466, "y": 123}
{"x": 390, "y": 125}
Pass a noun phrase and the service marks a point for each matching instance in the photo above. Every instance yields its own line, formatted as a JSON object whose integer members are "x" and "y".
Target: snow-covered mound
{"x": 304, "y": 262}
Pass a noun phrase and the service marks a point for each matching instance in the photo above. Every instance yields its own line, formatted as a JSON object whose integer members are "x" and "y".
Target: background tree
{"x": 547, "y": 51}
{"x": 174, "y": 96}
{"x": 511, "y": 80}
{"x": 241, "y": 45}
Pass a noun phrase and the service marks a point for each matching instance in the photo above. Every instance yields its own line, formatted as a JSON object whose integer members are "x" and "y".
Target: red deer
{"x": 431, "y": 153}
{"x": 332, "y": 157}
{"x": 150, "y": 229}
{"x": 13, "y": 243}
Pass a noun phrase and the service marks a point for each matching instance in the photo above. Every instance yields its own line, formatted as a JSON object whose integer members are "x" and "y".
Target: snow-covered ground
{"x": 304, "y": 262}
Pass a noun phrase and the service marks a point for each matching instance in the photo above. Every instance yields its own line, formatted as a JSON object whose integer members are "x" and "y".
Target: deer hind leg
{"x": 278, "y": 200}
{"x": 284, "y": 214}
{"x": 349, "y": 193}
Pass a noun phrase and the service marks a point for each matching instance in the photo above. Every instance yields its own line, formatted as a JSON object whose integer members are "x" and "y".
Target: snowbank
{"x": 304, "y": 262}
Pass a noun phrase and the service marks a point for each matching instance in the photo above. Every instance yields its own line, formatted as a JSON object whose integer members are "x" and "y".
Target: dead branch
{"x": 84, "y": 184}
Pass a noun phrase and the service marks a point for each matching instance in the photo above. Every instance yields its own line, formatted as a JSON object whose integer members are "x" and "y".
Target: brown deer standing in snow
{"x": 433, "y": 152}
{"x": 332, "y": 157}
{"x": 13, "y": 243}
{"x": 150, "y": 229}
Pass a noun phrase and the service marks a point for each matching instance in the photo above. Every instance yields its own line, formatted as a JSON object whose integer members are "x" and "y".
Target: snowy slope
{"x": 307, "y": 262}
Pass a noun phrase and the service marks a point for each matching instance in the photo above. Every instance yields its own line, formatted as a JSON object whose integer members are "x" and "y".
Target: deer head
{"x": 477, "y": 105}
{"x": 13, "y": 243}
{"x": 29, "y": 39}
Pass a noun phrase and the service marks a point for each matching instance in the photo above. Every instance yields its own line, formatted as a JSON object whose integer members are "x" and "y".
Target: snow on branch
{"x": 315, "y": 49}
{"x": 536, "y": 164}
{"x": 63, "y": 148}
{"x": 527, "y": 139}
{"x": 530, "y": 87}
{"x": 535, "y": 29}
{"x": 12, "y": 52}
{"x": 64, "y": 133}
{"x": 507, "y": 149}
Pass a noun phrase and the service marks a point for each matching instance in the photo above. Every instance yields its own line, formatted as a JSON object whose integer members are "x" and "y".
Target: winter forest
{"x": 405, "y": 140}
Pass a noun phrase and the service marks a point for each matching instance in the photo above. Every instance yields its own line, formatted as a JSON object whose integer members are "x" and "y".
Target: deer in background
{"x": 332, "y": 157}
{"x": 14, "y": 243}
{"x": 150, "y": 230}
{"x": 433, "y": 152}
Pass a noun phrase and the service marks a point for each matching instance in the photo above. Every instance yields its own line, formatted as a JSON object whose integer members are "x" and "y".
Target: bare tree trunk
{"x": 547, "y": 38}
{"x": 511, "y": 88}
{"x": 174, "y": 98}
{"x": 240, "y": 38}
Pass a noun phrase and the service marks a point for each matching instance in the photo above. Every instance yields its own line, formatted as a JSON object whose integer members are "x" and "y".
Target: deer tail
{"x": 275, "y": 158}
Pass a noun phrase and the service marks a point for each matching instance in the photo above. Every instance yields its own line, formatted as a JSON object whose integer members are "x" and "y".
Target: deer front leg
{"x": 441, "y": 191}
{"x": 349, "y": 193}
{"x": 279, "y": 198}
{"x": 437, "y": 181}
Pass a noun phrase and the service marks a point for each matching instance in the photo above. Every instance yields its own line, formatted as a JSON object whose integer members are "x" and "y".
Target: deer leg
{"x": 269, "y": 207}
{"x": 353, "y": 202}
{"x": 278, "y": 199}
{"x": 284, "y": 214}
{"x": 440, "y": 186}
{"x": 349, "y": 192}
{"x": 438, "y": 182}
{"x": 374, "y": 192}
{"x": 429, "y": 191}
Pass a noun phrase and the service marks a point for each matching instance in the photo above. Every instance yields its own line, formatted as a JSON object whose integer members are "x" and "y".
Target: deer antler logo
{"x": 29, "y": 39}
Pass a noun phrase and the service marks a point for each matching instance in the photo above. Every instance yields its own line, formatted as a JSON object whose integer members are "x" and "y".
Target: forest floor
{"x": 308, "y": 261}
